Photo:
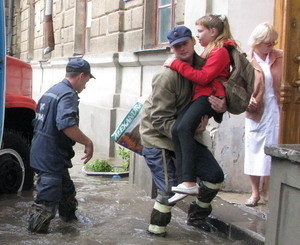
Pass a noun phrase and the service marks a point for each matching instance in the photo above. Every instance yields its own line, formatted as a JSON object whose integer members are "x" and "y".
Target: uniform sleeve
{"x": 214, "y": 66}
{"x": 163, "y": 109}
{"x": 67, "y": 111}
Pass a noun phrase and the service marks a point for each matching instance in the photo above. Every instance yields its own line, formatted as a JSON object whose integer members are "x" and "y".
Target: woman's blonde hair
{"x": 263, "y": 33}
{"x": 219, "y": 22}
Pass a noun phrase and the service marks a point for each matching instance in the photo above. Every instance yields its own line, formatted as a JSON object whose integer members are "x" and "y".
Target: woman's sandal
{"x": 252, "y": 202}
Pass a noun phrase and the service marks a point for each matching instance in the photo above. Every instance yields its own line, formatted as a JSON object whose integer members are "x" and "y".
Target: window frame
{"x": 151, "y": 30}
{"x": 170, "y": 5}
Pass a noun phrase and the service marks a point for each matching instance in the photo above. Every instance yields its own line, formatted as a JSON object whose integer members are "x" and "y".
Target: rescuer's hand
{"x": 77, "y": 135}
{"x": 89, "y": 150}
{"x": 218, "y": 104}
{"x": 169, "y": 62}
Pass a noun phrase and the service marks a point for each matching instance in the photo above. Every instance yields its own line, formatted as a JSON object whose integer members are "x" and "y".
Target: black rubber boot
{"x": 40, "y": 216}
{"x": 207, "y": 194}
{"x": 198, "y": 212}
{"x": 197, "y": 217}
{"x": 161, "y": 214}
{"x": 160, "y": 218}
{"x": 67, "y": 207}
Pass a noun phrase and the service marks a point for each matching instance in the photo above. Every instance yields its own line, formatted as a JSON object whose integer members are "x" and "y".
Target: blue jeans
{"x": 206, "y": 166}
{"x": 161, "y": 164}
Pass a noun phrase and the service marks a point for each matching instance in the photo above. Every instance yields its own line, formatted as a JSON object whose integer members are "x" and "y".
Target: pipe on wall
{"x": 10, "y": 22}
{"x": 49, "y": 27}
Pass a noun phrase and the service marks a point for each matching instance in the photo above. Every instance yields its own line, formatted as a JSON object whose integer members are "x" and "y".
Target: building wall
{"x": 116, "y": 45}
{"x": 115, "y": 26}
{"x": 115, "y": 38}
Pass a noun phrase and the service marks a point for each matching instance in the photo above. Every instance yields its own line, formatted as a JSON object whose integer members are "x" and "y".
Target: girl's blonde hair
{"x": 219, "y": 22}
{"x": 263, "y": 33}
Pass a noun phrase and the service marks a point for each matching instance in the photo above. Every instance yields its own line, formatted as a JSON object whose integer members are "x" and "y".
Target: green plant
{"x": 103, "y": 165}
{"x": 99, "y": 166}
{"x": 125, "y": 155}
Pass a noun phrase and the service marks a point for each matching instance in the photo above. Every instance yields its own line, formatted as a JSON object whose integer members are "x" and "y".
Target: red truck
{"x": 17, "y": 110}
{"x": 17, "y": 131}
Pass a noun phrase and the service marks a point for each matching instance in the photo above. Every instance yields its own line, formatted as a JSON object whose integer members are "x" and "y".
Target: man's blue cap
{"x": 79, "y": 65}
{"x": 179, "y": 34}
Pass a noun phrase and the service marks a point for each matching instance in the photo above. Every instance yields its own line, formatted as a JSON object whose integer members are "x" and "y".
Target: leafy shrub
{"x": 99, "y": 166}
{"x": 103, "y": 165}
{"x": 125, "y": 155}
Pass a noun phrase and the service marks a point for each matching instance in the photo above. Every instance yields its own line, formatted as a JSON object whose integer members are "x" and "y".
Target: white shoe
{"x": 186, "y": 190}
{"x": 177, "y": 197}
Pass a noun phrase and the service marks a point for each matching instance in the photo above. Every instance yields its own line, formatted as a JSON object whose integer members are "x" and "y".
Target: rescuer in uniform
{"x": 55, "y": 133}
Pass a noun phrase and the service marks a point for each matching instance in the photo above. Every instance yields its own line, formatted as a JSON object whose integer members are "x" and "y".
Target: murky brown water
{"x": 108, "y": 213}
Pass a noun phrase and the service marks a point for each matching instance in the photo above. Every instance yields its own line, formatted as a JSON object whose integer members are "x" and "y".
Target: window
{"x": 159, "y": 19}
{"x": 165, "y": 19}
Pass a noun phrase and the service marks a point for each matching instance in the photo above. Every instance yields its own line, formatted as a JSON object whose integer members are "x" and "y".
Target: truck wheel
{"x": 14, "y": 140}
{"x": 11, "y": 171}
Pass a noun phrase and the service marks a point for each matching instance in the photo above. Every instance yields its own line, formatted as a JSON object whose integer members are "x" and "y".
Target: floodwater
{"x": 108, "y": 213}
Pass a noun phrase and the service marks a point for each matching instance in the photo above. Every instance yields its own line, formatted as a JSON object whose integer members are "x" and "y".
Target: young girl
{"x": 213, "y": 34}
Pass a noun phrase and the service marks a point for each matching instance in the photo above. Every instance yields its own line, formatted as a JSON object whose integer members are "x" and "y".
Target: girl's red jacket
{"x": 208, "y": 79}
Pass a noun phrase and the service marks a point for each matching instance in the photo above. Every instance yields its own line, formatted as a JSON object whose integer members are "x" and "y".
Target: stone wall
{"x": 116, "y": 38}
{"x": 116, "y": 26}
{"x": 283, "y": 218}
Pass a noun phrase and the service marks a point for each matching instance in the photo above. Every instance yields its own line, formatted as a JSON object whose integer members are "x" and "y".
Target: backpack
{"x": 239, "y": 86}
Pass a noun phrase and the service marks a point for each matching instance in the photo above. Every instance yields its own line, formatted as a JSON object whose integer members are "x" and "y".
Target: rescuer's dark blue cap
{"x": 79, "y": 65}
{"x": 179, "y": 34}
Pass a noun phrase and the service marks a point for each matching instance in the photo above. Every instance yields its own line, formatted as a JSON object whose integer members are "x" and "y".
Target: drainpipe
{"x": 10, "y": 27}
{"x": 49, "y": 27}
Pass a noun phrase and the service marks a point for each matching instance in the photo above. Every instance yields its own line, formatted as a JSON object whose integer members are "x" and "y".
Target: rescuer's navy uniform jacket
{"x": 51, "y": 149}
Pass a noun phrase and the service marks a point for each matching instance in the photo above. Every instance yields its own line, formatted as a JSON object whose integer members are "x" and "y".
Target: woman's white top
{"x": 265, "y": 132}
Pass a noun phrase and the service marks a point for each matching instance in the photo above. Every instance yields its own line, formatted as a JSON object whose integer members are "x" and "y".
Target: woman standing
{"x": 262, "y": 115}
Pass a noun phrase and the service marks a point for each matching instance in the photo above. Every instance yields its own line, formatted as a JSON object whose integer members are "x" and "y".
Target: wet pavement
{"x": 108, "y": 213}
{"x": 233, "y": 218}
{"x": 239, "y": 199}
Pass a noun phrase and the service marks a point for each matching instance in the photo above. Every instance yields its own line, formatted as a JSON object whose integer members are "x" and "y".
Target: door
{"x": 287, "y": 23}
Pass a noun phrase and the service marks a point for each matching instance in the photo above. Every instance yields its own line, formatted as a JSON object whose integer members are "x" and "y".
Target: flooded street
{"x": 108, "y": 213}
